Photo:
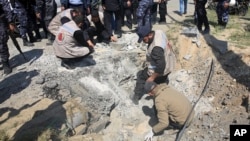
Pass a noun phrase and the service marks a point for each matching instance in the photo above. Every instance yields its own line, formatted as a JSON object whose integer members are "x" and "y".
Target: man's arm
{"x": 162, "y": 115}
{"x": 82, "y": 39}
{"x": 158, "y": 57}
{"x": 8, "y": 14}
{"x": 64, "y": 4}
{"x": 141, "y": 10}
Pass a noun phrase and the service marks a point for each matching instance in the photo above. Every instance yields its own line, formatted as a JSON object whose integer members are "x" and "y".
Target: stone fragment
{"x": 187, "y": 57}
{"x": 40, "y": 80}
{"x": 99, "y": 125}
{"x": 51, "y": 84}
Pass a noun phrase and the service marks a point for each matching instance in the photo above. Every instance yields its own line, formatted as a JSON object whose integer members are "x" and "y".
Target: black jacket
{"x": 111, "y": 5}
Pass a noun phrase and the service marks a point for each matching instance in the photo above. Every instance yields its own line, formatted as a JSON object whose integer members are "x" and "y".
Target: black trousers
{"x": 201, "y": 16}
{"x": 128, "y": 15}
{"x": 4, "y": 51}
{"x": 163, "y": 10}
{"x": 108, "y": 15}
{"x": 142, "y": 76}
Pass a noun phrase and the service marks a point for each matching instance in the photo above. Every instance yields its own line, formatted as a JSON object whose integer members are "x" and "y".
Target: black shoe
{"x": 27, "y": 43}
{"x": 129, "y": 25}
{"x": 206, "y": 31}
{"x": 162, "y": 21}
{"x": 66, "y": 63}
{"x": 6, "y": 68}
{"x": 135, "y": 99}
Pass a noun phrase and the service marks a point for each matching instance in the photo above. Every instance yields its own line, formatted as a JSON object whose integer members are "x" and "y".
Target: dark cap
{"x": 149, "y": 86}
{"x": 94, "y": 13}
{"x": 143, "y": 31}
{"x": 78, "y": 19}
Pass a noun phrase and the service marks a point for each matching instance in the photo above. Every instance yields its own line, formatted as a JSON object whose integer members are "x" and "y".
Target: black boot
{"x": 38, "y": 36}
{"x": 31, "y": 37}
{"x": 27, "y": 43}
{"x": 135, "y": 99}
{"x": 6, "y": 67}
{"x": 162, "y": 21}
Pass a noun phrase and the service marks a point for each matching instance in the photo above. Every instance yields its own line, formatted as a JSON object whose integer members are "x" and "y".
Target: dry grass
{"x": 3, "y": 136}
{"x": 235, "y": 31}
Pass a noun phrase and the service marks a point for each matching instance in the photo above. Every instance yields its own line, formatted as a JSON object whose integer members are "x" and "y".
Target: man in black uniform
{"x": 202, "y": 16}
{"x": 6, "y": 17}
{"x": 45, "y": 11}
{"x": 162, "y": 11}
{"x": 30, "y": 6}
{"x": 111, "y": 7}
{"x": 127, "y": 11}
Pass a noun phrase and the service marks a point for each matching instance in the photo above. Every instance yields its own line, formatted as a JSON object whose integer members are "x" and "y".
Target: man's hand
{"x": 38, "y": 15}
{"x": 103, "y": 7}
{"x": 152, "y": 77}
{"x": 62, "y": 8}
{"x": 226, "y": 5}
{"x": 88, "y": 10}
{"x": 128, "y": 3}
{"x": 113, "y": 39}
{"x": 12, "y": 27}
{"x": 149, "y": 136}
{"x": 90, "y": 43}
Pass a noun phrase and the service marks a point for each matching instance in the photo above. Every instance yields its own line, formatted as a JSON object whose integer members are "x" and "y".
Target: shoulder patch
{"x": 60, "y": 36}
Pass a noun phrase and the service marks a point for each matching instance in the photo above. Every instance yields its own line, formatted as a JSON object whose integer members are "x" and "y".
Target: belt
{"x": 75, "y": 5}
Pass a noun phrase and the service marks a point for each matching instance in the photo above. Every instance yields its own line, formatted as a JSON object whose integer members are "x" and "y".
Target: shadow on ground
{"x": 231, "y": 62}
{"x": 15, "y": 83}
{"x": 42, "y": 121}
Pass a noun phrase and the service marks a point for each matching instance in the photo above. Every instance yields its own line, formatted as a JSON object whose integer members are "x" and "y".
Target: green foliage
{"x": 236, "y": 28}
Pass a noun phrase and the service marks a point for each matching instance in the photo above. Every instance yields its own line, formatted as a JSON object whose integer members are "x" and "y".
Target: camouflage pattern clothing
{"x": 222, "y": 12}
{"x": 144, "y": 13}
{"x": 6, "y": 16}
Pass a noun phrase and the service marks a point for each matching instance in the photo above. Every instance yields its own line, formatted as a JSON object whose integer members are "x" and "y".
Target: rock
{"x": 100, "y": 125}
{"x": 40, "y": 80}
{"x": 117, "y": 45}
{"x": 65, "y": 94}
{"x": 51, "y": 84}
{"x": 187, "y": 57}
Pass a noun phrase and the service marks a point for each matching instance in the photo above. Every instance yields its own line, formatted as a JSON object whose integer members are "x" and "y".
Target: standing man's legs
{"x": 118, "y": 29}
{"x": 154, "y": 13}
{"x": 4, "y": 51}
{"x": 162, "y": 12}
{"x": 128, "y": 14}
{"x": 185, "y": 6}
{"x": 134, "y": 8}
{"x": 181, "y": 3}
{"x": 107, "y": 21}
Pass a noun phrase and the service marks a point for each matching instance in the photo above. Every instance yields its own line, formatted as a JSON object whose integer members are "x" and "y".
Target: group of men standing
{"x": 27, "y": 13}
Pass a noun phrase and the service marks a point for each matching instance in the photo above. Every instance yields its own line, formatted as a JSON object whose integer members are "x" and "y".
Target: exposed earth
{"x": 40, "y": 100}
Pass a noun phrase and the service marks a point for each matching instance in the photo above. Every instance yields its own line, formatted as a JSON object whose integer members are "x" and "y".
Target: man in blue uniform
{"x": 6, "y": 17}
{"x": 144, "y": 13}
{"x": 21, "y": 14}
{"x": 222, "y": 11}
